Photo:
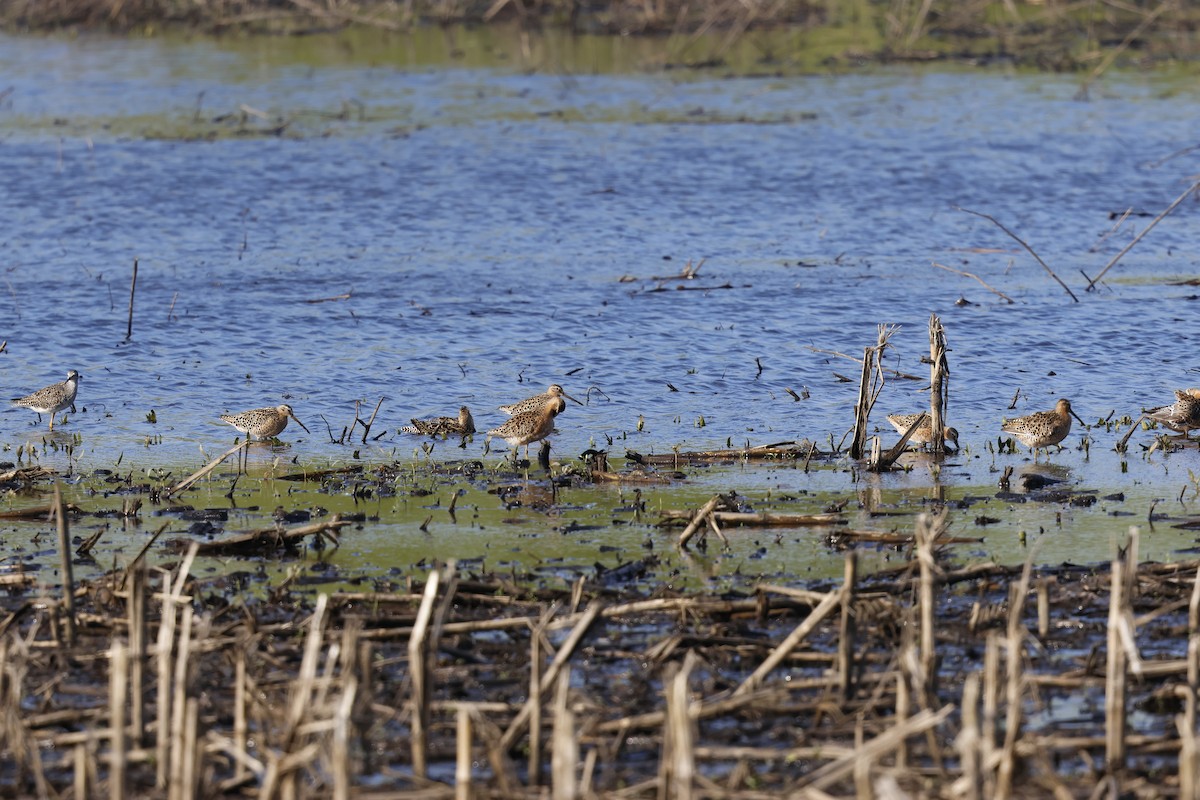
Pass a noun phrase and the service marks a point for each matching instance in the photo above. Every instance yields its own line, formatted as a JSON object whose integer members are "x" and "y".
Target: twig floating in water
{"x": 1146, "y": 230}
{"x": 1022, "y": 242}
{"x": 1007, "y": 299}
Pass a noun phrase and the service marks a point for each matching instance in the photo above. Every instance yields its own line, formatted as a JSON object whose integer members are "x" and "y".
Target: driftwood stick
{"x": 983, "y": 283}
{"x": 698, "y": 520}
{"x": 197, "y": 475}
{"x": 1022, "y": 242}
{"x": 266, "y": 539}
{"x": 1145, "y": 230}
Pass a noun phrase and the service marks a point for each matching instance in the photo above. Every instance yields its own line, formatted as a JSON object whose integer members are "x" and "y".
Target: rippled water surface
{"x": 498, "y": 229}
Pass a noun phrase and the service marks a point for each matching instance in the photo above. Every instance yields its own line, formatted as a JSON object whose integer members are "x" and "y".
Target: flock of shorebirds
{"x": 532, "y": 419}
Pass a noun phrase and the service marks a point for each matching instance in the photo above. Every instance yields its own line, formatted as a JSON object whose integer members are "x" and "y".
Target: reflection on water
{"x": 328, "y": 236}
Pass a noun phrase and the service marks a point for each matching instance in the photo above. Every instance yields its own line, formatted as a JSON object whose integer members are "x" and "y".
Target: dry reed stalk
{"x": 969, "y": 786}
{"x": 200, "y": 473}
{"x": 417, "y": 663}
{"x": 1114, "y": 684}
{"x": 927, "y": 530}
{"x": 1194, "y": 606}
{"x": 191, "y": 753}
{"x": 801, "y": 631}
{"x": 68, "y": 574}
{"x": 565, "y": 651}
{"x": 1014, "y": 642}
{"x": 172, "y": 599}
{"x": 564, "y": 751}
{"x": 137, "y": 652}
{"x": 81, "y": 772}
{"x": 462, "y": 760}
{"x": 132, "y": 290}
{"x": 1187, "y": 758}
{"x": 535, "y": 690}
{"x": 679, "y": 733}
{"x": 118, "y": 688}
{"x": 831, "y": 773}
{"x": 698, "y": 520}
{"x": 846, "y": 629}
{"x": 700, "y": 710}
{"x": 1043, "y": 607}
{"x": 179, "y": 699}
{"x": 871, "y": 383}
{"x": 241, "y": 728}
{"x": 340, "y": 748}
{"x": 939, "y": 384}
{"x": 903, "y": 707}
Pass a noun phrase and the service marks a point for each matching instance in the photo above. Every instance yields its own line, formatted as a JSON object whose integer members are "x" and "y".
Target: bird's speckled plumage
{"x": 538, "y": 401}
{"x": 527, "y": 427}
{"x": 1183, "y": 415}
{"x": 263, "y": 423}
{"x": 53, "y": 398}
{"x": 462, "y": 425}
{"x": 902, "y": 422}
{"x": 1044, "y": 428}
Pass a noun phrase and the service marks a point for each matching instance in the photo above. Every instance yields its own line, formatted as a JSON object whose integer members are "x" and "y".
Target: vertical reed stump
{"x": 939, "y": 380}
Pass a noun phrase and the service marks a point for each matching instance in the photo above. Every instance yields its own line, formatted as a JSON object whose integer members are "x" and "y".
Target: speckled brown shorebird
{"x": 1044, "y": 428}
{"x": 538, "y": 401}
{"x": 263, "y": 423}
{"x": 53, "y": 398}
{"x": 1183, "y": 415}
{"x": 903, "y": 422}
{"x": 527, "y": 427}
{"x": 462, "y": 425}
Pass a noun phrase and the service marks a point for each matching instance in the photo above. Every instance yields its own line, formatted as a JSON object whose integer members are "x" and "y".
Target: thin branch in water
{"x": 1022, "y": 242}
{"x": 976, "y": 277}
{"x": 1146, "y": 230}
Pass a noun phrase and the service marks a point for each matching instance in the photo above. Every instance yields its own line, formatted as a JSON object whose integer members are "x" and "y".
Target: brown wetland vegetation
{"x": 1088, "y": 35}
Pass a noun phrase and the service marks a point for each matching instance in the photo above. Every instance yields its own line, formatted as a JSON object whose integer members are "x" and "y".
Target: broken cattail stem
{"x": 132, "y": 290}
{"x": 1114, "y": 683}
{"x": 862, "y": 406}
{"x": 417, "y": 663}
{"x": 698, "y": 520}
{"x": 564, "y": 751}
{"x": 565, "y": 651}
{"x": 370, "y": 422}
{"x": 118, "y": 687}
{"x": 939, "y": 379}
{"x": 137, "y": 652}
{"x": 68, "y": 574}
{"x": 847, "y": 628}
{"x": 462, "y": 761}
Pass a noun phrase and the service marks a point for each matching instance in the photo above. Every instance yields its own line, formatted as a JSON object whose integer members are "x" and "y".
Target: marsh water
{"x": 338, "y": 219}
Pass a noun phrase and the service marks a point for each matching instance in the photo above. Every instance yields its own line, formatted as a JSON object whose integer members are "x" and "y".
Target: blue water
{"x": 498, "y": 231}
